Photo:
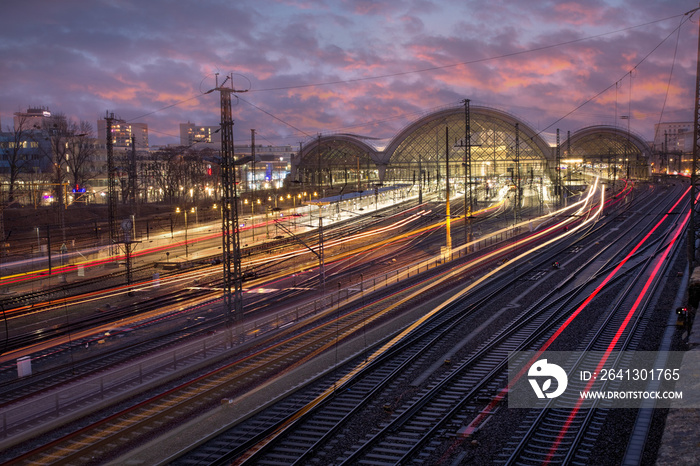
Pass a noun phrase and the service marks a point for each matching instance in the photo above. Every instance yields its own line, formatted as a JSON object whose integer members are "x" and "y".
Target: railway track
{"x": 264, "y": 302}
{"x": 577, "y": 430}
{"x": 331, "y": 427}
{"x": 84, "y": 320}
{"x": 235, "y": 380}
{"x": 233, "y": 384}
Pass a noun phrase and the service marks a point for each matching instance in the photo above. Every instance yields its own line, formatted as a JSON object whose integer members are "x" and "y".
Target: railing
{"x": 331, "y": 298}
{"x": 73, "y": 400}
{"x": 76, "y": 399}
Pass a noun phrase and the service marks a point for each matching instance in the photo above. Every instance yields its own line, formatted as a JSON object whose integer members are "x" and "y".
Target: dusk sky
{"x": 362, "y": 67}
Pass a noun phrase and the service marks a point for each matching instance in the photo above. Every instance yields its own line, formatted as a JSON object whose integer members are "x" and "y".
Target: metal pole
{"x": 420, "y": 180}
{"x": 568, "y": 153}
{"x": 448, "y": 239}
{"x": 48, "y": 245}
{"x": 111, "y": 186}
{"x": 132, "y": 175}
{"x": 468, "y": 207}
{"x": 252, "y": 151}
{"x": 232, "y": 276}
{"x": 694, "y": 171}
{"x": 557, "y": 183}
{"x": 517, "y": 172}
{"x": 320, "y": 251}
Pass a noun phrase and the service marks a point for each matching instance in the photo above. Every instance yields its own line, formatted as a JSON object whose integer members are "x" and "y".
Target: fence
{"x": 73, "y": 400}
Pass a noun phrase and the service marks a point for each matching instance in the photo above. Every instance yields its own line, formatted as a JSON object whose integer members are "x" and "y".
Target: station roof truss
{"x": 493, "y": 141}
{"x": 606, "y": 144}
{"x": 336, "y": 151}
{"x": 421, "y": 148}
{"x": 339, "y": 158}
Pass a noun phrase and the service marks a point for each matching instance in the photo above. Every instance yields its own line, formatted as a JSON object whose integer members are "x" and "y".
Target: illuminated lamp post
{"x": 319, "y": 253}
{"x": 177, "y": 211}
{"x": 268, "y": 208}
{"x": 276, "y": 211}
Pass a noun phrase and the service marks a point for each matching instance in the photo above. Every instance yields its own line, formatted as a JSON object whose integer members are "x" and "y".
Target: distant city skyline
{"x": 362, "y": 67}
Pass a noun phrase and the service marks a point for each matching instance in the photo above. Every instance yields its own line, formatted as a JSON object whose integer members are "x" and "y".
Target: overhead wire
{"x": 670, "y": 76}
{"x": 644, "y": 58}
{"x": 175, "y": 104}
{"x": 470, "y": 62}
{"x": 683, "y": 17}
{"x": 273, "y": 116}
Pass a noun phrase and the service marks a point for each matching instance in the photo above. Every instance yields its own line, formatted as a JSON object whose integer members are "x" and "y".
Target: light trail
{"x": 61, "y": 269}
{"x": 530, "y": 238}
{"x": 134, "y": 321}
{"x": 611, "y": 347}
{"x": 420, "y": 290}
{"x": 184, "y": 278}
{"x": 495, "y": 402}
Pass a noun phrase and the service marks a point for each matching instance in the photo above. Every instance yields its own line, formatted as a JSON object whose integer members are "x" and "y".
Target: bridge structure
{"x": 500, "y": 146}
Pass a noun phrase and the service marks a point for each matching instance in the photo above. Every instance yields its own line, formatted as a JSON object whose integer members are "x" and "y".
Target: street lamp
{"x": 298, "y": 196}
{"x": 267, "y": 217}
{"x": 276, "y": 211}
{"x": 177, "y": 211}
{"x": 252, "y": 215}
{"x": 258, "y": 202}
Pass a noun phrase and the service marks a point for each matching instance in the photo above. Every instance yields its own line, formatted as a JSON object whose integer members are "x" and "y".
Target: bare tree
{"x": 80, "y": 154}
{"x": 56, "y": 130}
{"x": 165, "y": 168}
{"x": 11, "y": 152}
{"x": 195, "y": 173}
{"x": 70, "y": 152}
{"x": 14, "y": 153}
{"x": 180, "y": 173}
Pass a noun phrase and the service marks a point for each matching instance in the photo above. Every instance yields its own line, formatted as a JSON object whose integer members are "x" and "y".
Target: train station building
{"x": 499, "y": 146}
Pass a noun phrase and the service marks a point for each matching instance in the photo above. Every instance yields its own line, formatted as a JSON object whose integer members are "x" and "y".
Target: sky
{"x": 309, "y": 67}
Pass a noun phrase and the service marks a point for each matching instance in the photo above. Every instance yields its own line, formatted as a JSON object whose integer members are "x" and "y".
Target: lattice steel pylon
{"x": 132, "y": 176}
{"x": 468, "y": 197}
{"x": 694, "y": 170}
{"x": 233, "y": 278}
{"x": 557, "y": 171}
{"x": 516, "y": 174}
{"x": 111, "y": 186}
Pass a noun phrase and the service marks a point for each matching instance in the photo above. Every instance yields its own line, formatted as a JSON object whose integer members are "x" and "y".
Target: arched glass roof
{"x": 605, "y": 143}
{"x": 336, "y": 159}
{"x": 497, "y": 140}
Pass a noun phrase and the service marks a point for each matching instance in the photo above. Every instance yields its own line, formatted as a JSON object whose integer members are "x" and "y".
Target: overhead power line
{"x": 436, "y": 68}
{"x": 686, "y": 17}
{"x": 453, "y": 65}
